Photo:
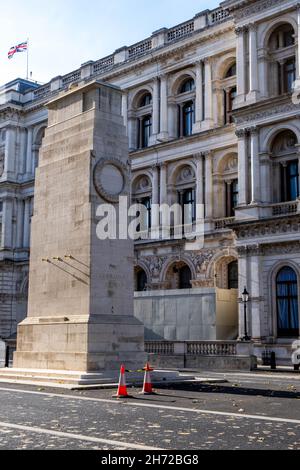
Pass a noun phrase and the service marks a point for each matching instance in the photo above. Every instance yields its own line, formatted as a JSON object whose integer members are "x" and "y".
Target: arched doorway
{"x": 140, "y": 280}
{"x": 179, "y": 276}
{"x": 287, "y": 303}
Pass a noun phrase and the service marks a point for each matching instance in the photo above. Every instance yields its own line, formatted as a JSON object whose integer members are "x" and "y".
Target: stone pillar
{"x": 163, "y": 135}
{"x": 26, "y": 230}
{"x": 155, "y": 201}
{"x": 20, "y": 223}
{"x": 199, "y": 187}
{"x": 208, "y": 95}
{"x": 254, "y": 313}
{"x": 125, "y": 110}
{"x": 22, "y": 153}
{"x": 156, "y": 106}
{"x": 132, "y": 132}
{"x": 29, "y": 152}
{"x": 255, "y": 166}
{"x": 298, "y": 21}
{"x": 253, "y": 64}
{"x": 241, "y": 65}
{"x": 199, "y": 98}
{"x": 7, "y": 230}
{"x": 208, "y": 186}
{"x": 10, "y": 152}
{"x": 164, "y": 197}
{"x": 243, "y": 167}
{"x": 243, "y": 281}
{"x": 266, "y": 178}
{"x": 172, "y": 119}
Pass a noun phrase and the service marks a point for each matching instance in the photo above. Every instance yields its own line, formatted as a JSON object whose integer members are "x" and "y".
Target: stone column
{"x": 254, "y": 313}
{"x": 243, "y": 281}
{"x": 163, "y": 135}
{"x": 155, "y": 201}
{"x": 7, "y": 230}
{"x": 163, "y": 197}
{"x": 266, "y": 177}
{"x": 10, "y": 152}
{"x": 298, "y": 21}
{"x": 132, "y": 132}
{"x": 125, "y": 110}
{"x": 199, "y": 185}
{"x": 208, "y": 186}
{"x": 156, "y": 106}
{"x": 255, "y": 166}
{"x": 241, "y": 65}
{"x": 29, "y": 152}
{"x": 243, "y": 167}
{"x": 208, "y": 94}
{"x": 20, "y": 222}
{"x": 22, "y": 153}
{"x": 199, "y": 98}
{"x": 172, "y": 119}
{"x": 26, "y": 232}
{"x": 253, "y": 64}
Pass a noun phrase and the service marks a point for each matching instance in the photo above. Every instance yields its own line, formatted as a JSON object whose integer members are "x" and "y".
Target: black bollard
{"x": 7, "y": 356}
{"x": 273, "y": 361}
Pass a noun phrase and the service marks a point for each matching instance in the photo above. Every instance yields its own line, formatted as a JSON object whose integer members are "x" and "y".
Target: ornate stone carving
{"x": 186, "y": 174}
{"x": 268, "y": 228}
{"x": 255, "y": 8}
{"x": 201, "y": 260}
{"x": 231, "y": 164}
{"x": 272, "y": 111}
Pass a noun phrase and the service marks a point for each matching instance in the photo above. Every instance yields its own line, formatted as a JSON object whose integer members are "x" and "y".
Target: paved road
{"x": 251, "y": 411}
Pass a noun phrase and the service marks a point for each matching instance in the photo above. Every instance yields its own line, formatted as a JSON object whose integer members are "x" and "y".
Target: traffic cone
{"x": 147, "y": 389}
{"x": 122, "y": 389}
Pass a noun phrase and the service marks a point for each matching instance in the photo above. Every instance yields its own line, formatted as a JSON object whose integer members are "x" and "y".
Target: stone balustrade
{"x": 221, "y": 224}
{"x": 198, "y": 348}
{"x": 136, "y": 51}
{"x": 285, "y": 208}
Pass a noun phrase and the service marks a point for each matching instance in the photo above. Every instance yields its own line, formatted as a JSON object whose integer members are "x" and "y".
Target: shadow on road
{"x": 230, "y": 389}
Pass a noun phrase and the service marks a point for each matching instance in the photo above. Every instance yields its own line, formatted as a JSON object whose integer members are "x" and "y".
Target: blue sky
{"x": 65, "y": 33}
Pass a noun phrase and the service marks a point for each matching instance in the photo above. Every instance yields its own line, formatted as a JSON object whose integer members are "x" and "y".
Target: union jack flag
{"x": 22, "y": 47}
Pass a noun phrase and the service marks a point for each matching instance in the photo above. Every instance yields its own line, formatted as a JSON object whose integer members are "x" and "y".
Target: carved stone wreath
{"x": 110, "y": 179}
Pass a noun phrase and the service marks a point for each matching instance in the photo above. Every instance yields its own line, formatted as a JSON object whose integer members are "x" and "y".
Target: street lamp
{"x": 245, "y": 299}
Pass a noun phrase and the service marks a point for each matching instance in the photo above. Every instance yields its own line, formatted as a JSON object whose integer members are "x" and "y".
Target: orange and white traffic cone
{"x": 122, "y": 389}
{"x": 147, "y": 389}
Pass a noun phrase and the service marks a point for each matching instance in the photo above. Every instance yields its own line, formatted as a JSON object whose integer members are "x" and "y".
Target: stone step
{"x": 107, "y": 378}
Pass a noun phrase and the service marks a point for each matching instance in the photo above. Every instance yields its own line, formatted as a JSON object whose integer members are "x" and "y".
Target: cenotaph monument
{"x": 80, "y": 310}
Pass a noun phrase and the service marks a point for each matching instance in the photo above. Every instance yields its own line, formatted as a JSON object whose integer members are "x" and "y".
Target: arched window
{"x": 141, "y": 120}
{"x": 188, "y": 118}
{"x": 229, "y": 97}
{"x": 185, "y": 278}
{"x": 141, "y": 280}
{"x": 231, "y": 72}
{"x": 286, "y": 169}
{"x": 233, "y": 275}
{"x": 186, "y": 197}
{"x": 185, "y": 100}
{"x": 146, "y": 100}
{"x": 282, "y": 64}
{"x": 142, "y": 194}
{"x": 145, "y": 131}
{"x": 287, "y": 303}
{"x": 187, "y": 86}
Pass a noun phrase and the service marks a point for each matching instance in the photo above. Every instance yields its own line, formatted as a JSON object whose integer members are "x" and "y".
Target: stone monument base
{"x": 84, "y": 344}
{"x": 77, "y": 380}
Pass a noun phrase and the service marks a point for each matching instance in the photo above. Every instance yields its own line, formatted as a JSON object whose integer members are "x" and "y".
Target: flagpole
{"x": 27, "y": 68}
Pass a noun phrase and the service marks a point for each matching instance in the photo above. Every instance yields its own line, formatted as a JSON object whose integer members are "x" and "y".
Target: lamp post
{"x": 245, "y": 299}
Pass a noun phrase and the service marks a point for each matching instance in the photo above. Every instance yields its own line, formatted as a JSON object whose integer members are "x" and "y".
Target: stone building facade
{"x": 211, "y": 120}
